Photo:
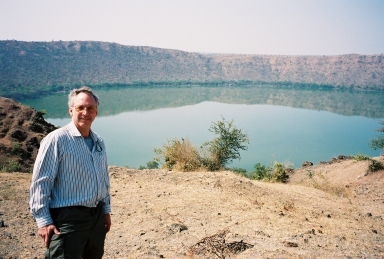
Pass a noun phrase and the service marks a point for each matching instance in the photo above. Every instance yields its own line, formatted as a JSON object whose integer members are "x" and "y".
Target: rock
{"x": 333, "y": 160}
{"x": 290, "y": 244}
{"x": 177, "y": 228}
{"x": 323, "y": 163}
{"x": 342, "y": 157}
{"x": 306, "y": 164}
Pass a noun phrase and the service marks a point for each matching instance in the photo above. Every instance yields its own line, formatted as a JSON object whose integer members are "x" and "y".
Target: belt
{"x": 83, "y": 208}
{"x": 90, "y": 209}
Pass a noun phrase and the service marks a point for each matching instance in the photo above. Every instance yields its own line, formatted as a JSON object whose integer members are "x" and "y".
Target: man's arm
{"x": 44, "y": 173}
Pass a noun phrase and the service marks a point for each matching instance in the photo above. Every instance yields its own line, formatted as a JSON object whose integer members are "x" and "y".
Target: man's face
{"x": 83, "y": 112}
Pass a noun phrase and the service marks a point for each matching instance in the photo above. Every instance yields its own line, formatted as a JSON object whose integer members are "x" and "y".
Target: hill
{"x": 336, "y": 213}
{"x": 21, "y": 130}
{"x": 31, "y": 68}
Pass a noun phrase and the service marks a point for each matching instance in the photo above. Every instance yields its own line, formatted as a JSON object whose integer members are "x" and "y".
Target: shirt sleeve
{"x": 107, "y": 205}
{"x": 44, "y": 174}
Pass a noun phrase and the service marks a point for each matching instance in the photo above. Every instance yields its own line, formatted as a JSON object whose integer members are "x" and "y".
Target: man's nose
{"x": 85, "y": 111}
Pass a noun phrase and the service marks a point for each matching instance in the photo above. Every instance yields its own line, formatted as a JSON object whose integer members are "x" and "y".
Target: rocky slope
{"x": 21, "y": 130}
{"x": 29, "y": 67}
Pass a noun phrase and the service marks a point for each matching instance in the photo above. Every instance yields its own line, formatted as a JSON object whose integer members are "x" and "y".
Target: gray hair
{"x": 83, "y": 89}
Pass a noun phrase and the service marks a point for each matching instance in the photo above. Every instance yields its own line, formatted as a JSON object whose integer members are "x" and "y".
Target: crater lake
{"x": 285, "y": 125}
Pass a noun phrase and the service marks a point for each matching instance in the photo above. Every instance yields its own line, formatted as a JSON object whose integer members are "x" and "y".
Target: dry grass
{"x": 165, "y": 214}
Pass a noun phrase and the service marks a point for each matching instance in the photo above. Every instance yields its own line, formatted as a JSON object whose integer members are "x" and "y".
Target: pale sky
{"x": 279, "y": 27}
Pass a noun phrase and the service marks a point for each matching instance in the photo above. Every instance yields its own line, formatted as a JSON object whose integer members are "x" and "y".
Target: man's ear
{"x": 70, "y": 111}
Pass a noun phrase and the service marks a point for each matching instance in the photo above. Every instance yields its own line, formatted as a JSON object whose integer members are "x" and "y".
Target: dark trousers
{"x": 82, "y": 233}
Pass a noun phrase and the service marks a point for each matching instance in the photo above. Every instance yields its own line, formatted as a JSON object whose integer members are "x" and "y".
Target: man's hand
{"x": 107, "y": 222}
{"x": 46, "y": 233}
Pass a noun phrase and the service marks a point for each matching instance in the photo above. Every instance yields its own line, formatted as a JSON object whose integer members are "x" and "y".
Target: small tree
{"x": 378, "y": 143}
{"x": 261, "y": 172}
{"x": 226, "y": 147}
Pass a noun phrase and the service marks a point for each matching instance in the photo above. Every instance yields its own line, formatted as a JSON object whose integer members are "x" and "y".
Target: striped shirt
{"x": 66, "y": 173}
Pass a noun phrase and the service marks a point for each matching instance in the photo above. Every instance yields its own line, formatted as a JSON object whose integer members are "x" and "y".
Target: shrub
{"x": 375, "y": 166}
{"x": 16, "y": 149}
{"x": 226, "y": 147}
{"x": 261, "y": 172}
{"x": 179, "y": 155}
{"x": 360, "y": 157}
{"x": 10, "y": 166}
{"x": 279, "y": 175}
{"x": 270, "y": 174}
{"x": 152, "y": 164}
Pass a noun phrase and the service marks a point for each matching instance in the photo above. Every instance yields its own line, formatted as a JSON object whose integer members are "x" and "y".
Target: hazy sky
{"x": 286, "y": 27}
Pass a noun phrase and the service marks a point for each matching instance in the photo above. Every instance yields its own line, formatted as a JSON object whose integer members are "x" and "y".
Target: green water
{"x": 286, "y": 125}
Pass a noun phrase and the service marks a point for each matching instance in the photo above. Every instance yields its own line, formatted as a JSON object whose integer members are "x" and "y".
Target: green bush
{"x": 375, "y": 166}
{"x": 261, "y": 172}
{"x": 16, "y": 149}
{"x": 360, "y": 157}
{"x": 279, "y": 175}
{"x": 10, "y": 166}
{"x": 152, "y": 164}
{"x": 270, "y": 174}
{"x": 226, "y": 147}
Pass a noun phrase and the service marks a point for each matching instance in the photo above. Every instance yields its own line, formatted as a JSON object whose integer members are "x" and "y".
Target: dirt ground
{"x": 325, "y": 211}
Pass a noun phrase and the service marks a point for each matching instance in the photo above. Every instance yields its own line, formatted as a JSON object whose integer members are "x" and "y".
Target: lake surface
{"x": 285, "y": 125}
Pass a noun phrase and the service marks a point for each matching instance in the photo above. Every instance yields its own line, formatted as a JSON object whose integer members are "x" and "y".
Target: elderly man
{"x": 69, "y": 194}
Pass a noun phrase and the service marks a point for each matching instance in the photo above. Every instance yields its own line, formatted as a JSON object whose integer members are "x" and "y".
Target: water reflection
{"x": 117, "y": 100}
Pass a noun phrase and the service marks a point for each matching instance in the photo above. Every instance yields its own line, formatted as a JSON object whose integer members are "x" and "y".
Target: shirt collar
{"x": 74, "y": 131}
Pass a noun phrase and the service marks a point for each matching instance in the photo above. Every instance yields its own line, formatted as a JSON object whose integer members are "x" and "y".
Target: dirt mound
{"x": 21, "y": 130}
{"x": 325, "y": 211}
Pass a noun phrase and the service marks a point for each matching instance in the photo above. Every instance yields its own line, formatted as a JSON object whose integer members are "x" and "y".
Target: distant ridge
{"x": 37, "y": 67}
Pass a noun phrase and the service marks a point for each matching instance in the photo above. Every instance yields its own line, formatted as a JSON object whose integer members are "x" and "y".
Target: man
{"x": 69, "y": 194}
